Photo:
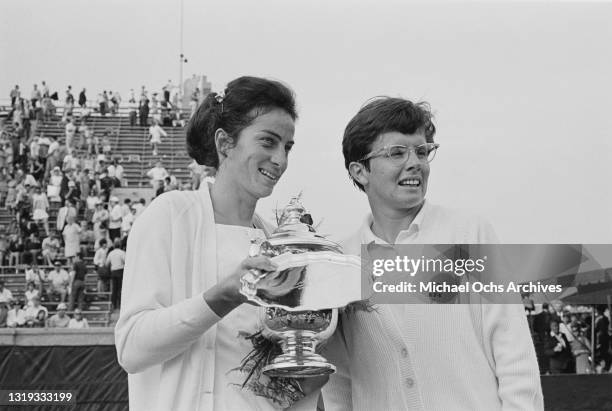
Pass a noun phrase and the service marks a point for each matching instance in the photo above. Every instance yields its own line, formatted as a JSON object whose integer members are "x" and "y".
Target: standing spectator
{"x": 581, "y": 348}
{"x": 155, "y": 134}
{"x": 67, "y": 211}
{"x": 5, "y": 293}
{"x": 87, "y": 237}
{"x": 116, "y": 215}
{"x": 143, "y": 112}
{"x": 116, "y": 262}
{"x": 139, "y": 207}
{"x": 55, "y": 183}
{"x": 68, "y": 105}
{"x": 4, "y": 248}
{"x": 45, "y": 89}
{"x": 77, "y": 293}
{"x": 71, "y": 129}
{"x": 83, "y": 99}
{"x": 72, "y": 240}
{"x": 101, "y": 105}
{"x": 133, "y": 115}
{"x": 100, "y": 220}
{"x": 157, "y": 175}
{"x": 78, "y": 322}
{"x": 59, "y": 281}
{"x": 16, "y": 315}
{"x": 35, "y": 314}
{"x": 35, "y": 96}
{"x": 602, "y": 337}
{"x": 16, "y": 248}
{"x": 558, "y": 350}
{"x": 15, "y": 95}
{"x": 60, "y": 319}
{"x": 132, "y": 98}
{"x": 103, "y": 271}
{"x": 40, "y": 205}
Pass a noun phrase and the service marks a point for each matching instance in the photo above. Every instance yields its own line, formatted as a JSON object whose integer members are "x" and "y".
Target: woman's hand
{"x": 225, "y": 296}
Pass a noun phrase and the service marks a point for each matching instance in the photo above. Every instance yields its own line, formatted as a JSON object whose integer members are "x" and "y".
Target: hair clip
{"x": 219, "y": 97}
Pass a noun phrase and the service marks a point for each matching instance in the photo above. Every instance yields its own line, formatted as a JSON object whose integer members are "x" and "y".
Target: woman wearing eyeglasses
{"x": 421, "y": 356}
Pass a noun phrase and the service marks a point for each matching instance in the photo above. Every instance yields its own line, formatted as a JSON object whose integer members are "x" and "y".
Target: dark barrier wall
{"x": 101, "y": 384}
{"x": 92, "y": 371}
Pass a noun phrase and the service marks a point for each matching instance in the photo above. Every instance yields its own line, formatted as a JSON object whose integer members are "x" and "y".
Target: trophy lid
{"x": 295, "y": 228}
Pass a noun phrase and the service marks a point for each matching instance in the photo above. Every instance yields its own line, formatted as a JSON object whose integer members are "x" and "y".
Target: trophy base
{"x": 311, "y": 366}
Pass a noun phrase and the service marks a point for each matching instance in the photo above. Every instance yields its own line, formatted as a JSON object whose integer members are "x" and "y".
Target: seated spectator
{"x": 102, "y": 269}
{"x": 79, "y": 271}
{"x": 32, "y": 249}
{"x": 60, "y": 280}
{"x": 139, "y": 207}
{"x": 60, "y": 319}
{"x": 35, "y": 314}
{"x": 16, "y": 315}
{"x": 72, "y": 239}
{"x": 78, "y": 321}
{"x": 33, "y": 275}
{"x": 50, "y": 248}
{"x": 16, "y": 248}
{"x": 5, "y": 293}
{"x": 31, "y": 293}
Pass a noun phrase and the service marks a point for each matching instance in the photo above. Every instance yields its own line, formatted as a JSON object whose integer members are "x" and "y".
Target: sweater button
{"x": 409, "y": 382}
{"x": 404, "y": 352}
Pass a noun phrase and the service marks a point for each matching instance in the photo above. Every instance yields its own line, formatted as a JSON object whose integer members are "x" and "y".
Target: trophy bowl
{"x": 300, "y": 300}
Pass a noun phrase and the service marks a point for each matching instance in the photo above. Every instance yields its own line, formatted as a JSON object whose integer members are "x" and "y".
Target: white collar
{"x": 367, "y": 236}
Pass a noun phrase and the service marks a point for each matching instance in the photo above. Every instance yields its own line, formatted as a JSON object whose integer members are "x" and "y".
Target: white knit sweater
{"x": 433, "y": 357}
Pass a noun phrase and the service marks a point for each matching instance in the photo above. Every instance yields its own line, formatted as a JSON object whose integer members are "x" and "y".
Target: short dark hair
{"x": 233, "y": 113}
{"x": 382, "y": 115}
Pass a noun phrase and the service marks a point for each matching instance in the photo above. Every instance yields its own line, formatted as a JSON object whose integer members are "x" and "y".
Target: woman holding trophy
{"x": 178, "y": 335}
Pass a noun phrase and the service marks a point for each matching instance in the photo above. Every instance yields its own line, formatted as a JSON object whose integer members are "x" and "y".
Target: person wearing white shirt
{"x": 15, "y": 316}
{"x": 99, "y": 261}
{"x": 421, "y": 356}
{"x": 33, "y": 316}
{"x": 116, "y": 214}
{"x": 156, "y": 133}
{"x": 70, "y": 132}
{"x": 5, "y": 294}
{"x": 60, "y": 279}
{"x": 78, "y": 322}
{"x": 157, "y": 175}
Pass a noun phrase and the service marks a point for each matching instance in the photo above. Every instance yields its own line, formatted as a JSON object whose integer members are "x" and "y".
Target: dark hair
{"x": 382, "y": 115}
{"x": 233, "y": 113}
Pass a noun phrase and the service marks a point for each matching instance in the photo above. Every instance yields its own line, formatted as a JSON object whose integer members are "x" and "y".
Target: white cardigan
{"x": 433, "y": 357}
{"x": 166, "y": 333}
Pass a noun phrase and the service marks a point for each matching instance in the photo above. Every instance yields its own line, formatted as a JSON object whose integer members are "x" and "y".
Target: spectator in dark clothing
{"x": 82, "y": 99}
{"x": 33, "y": 249}
{"x": 602, "y": 338}
{"x": 558, "y": 350}
{"x": 143, "y": 111}
{"x": 77, "y": 293}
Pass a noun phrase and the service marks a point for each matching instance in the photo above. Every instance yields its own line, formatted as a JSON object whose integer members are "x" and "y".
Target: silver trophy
{"x": 300, "y": 300}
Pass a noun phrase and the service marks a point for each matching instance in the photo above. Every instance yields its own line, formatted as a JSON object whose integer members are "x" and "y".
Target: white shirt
{"x": 116, "y": 259}
{"x": 5, "y": 295}
{"x": 59, "y": 278}
{"x": 74, "y": 323}
{"x": 157, "y": 173}
{"x": 100, "y": 256}
{"x": 434, "y": 356}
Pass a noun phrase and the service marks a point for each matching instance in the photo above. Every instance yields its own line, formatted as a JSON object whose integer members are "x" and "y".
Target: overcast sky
{"x": 521, "y": 91}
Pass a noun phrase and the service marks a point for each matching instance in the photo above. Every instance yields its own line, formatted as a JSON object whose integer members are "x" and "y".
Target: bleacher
{"x": 130, "y": 146}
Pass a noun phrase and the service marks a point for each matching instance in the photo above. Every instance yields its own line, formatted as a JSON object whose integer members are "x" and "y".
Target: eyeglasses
{"x": 398, "y": 154}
